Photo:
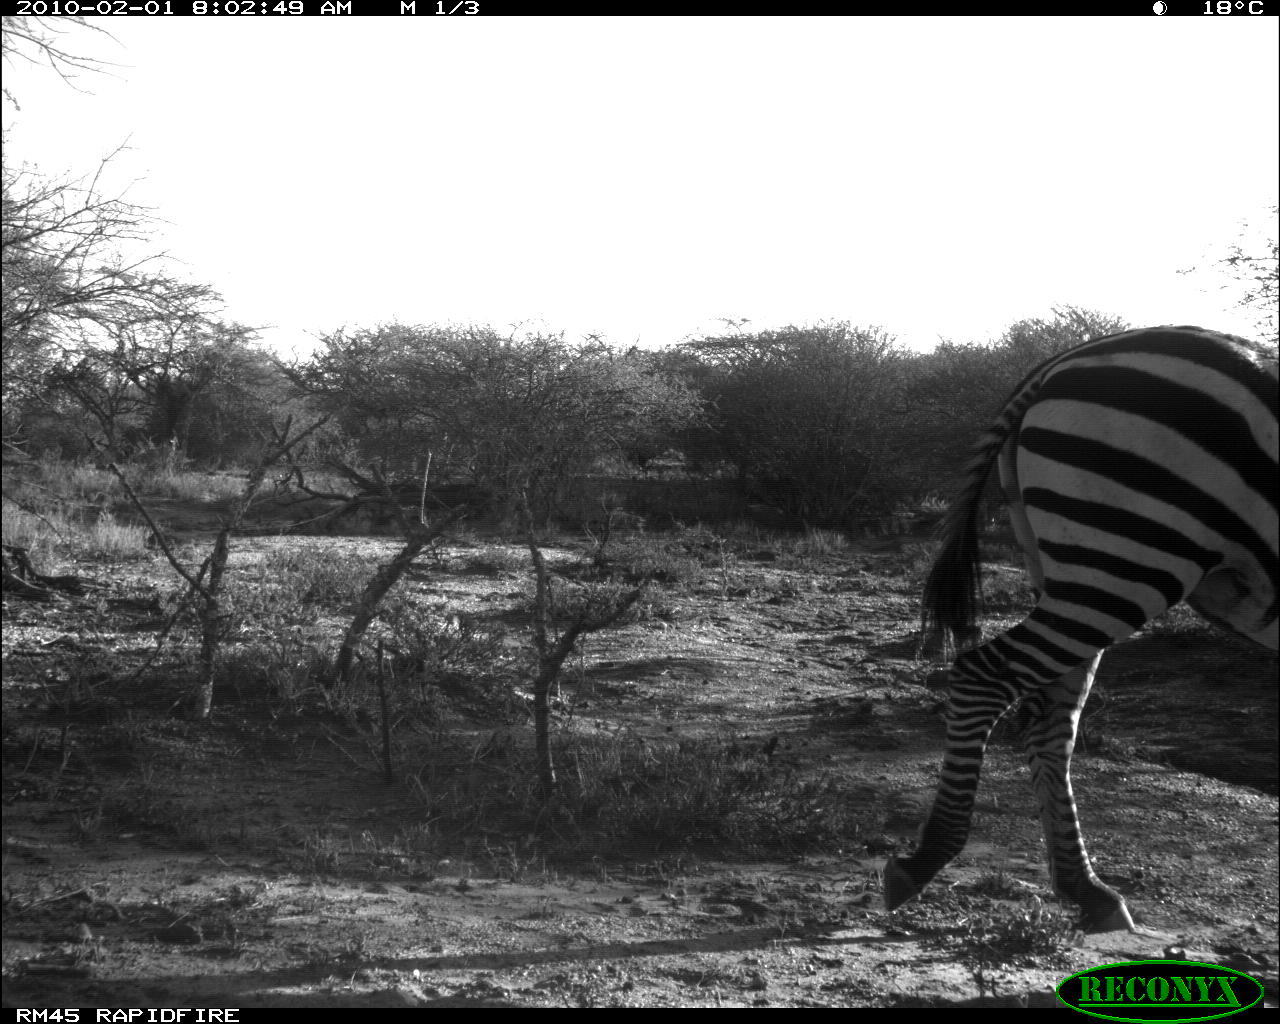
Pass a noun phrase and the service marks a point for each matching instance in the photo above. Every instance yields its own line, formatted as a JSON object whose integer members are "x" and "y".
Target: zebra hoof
{"x": 1113, "y": 918}
{"x": 899, "y": 886}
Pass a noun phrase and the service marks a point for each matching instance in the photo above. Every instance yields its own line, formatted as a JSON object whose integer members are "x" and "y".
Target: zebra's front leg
{"x": 972, "y": 711}
{"x": 1052, "y": 714}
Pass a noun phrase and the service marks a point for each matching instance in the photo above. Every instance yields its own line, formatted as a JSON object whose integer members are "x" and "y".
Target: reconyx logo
{"x": 1143, "y": 990}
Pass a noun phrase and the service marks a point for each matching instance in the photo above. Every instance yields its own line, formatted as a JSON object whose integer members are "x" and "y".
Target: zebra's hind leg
{"x": 1052, "y": 716}
{"x": 972, "y": 711}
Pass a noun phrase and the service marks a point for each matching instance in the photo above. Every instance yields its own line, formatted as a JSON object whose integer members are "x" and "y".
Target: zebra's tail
{"x": 952, "y": 592}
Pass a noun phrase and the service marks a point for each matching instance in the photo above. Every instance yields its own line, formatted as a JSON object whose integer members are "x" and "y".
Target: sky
{"x": 647, "y": 179}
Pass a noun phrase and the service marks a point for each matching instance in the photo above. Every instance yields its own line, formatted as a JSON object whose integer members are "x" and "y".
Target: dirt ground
{"x": 1176, "y": 777}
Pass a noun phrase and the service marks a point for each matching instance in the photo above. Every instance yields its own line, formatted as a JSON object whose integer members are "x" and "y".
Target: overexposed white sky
{"x": 643, "y": 178}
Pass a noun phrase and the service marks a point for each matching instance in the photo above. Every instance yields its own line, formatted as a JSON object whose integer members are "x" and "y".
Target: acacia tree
{"x": 85, "y": 327}
{"x": 1254, "y": 266}
{"x": 74, "y": 310}
{"x": 807, "y": 415}
{"x": 835, "y": 425}
{"x": 1027, "y": 343}
{"x": 513, "y": 416}
{"x": 518, "y": 417}
{"x": 35, "y": 40}
{"x": 1251, "y": 268}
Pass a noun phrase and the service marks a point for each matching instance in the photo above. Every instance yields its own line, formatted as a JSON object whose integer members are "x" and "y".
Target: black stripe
{"x": 1097, "y": 599}
{"x": 1151, "y": 478}
{"x": 1202, "y": 419}
{"x": 1121, "y": 522}
{"x": 1164, "y": 583}
{"x": 1080, "y": 632}
{"x": 1207, "y": 350}
{"x": 1045, "y": 646}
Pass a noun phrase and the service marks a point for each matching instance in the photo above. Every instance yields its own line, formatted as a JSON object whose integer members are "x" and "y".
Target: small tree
{"x": 205, "y": 584}
{"x": 607, "y": 609}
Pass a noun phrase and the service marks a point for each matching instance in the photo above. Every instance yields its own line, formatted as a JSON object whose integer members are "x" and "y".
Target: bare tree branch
{"x": 37, "y": 41}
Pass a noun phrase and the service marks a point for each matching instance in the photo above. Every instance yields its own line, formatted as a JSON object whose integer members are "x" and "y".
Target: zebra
{"x": 1140, "y": 470}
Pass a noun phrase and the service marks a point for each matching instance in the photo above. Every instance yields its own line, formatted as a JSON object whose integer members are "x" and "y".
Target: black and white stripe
{"x": 1140, "y": 471}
